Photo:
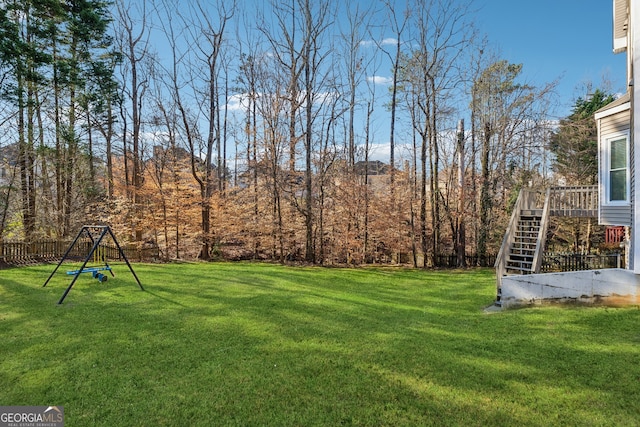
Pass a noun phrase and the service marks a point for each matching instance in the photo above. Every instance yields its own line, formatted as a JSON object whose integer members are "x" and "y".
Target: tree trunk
{"x": 460, "y": 226}
{"x": 435, "y": 179}
{"x": 423, "y": 202}
{"x": 485, "y": 195}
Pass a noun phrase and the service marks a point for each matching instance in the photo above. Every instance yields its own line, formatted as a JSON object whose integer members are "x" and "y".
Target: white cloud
{"x": 382, "y": 152}
{"x": 380, "y": 80}
{"x": 240, "y": 102}
{"x": 379, "y": 152}
{"x": 237, "y": 102}
{"x": 389, "y": 41}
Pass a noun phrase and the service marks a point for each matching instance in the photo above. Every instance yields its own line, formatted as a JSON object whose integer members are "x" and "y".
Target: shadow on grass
{"x": 156, "y": 293}
{"x": 256, "y": 345}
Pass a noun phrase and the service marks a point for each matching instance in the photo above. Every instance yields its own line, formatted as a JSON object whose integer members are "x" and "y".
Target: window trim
{"x": 606, "y": 176}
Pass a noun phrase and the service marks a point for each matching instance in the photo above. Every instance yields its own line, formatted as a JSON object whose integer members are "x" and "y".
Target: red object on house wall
{"x": 614, "y": 234}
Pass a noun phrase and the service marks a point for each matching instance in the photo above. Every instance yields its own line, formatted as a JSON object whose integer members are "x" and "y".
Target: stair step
{"x": 519, "y": 264}
{"x": 524, "y": 245}
{"x": 531, "y": 247}
{"x": 523, "y": 253}
{"x": 519, "y": 257}
{"x": 531, "y": 212}
{"x": 522, "y": 270}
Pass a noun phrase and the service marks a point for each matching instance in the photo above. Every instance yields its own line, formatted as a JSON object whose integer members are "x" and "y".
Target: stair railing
{"x": 542, "y": 234}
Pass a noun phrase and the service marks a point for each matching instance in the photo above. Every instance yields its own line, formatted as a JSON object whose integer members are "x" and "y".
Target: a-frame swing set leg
{"x": 66, "y": 254}
{"x": 121, "y": 252}
{"x": 96, "y": 244}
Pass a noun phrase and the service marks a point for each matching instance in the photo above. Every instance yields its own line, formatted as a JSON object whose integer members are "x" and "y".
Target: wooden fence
{"x": 579, "y": 262}
{"x": 18, "y": 253}
{"x": 451, "y": 261}
{"x": 552, "y": 262}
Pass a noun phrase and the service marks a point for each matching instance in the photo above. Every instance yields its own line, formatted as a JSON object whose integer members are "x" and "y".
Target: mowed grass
{"x": 257, "y": 344}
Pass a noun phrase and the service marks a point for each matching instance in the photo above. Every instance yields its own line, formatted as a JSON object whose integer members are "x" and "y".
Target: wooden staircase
{"x": 524, "y": 240}
{"x": 520, "y": 259}
{"x": 523, "y": 243}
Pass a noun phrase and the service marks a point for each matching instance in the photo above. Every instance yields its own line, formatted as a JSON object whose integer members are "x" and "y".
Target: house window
{"x": 617, "y": 187}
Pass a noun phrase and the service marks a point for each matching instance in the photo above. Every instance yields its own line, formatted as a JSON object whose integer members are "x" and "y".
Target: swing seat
{"x": 101, "y": 277}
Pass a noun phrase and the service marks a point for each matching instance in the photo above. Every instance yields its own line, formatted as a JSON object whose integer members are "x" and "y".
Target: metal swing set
{"x": 95, "y": 234}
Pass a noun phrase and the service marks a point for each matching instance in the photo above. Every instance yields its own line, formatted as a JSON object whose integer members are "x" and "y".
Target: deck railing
{"x": 574, "y": 201}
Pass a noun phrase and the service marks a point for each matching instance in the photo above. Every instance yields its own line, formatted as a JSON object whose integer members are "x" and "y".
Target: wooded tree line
{"x": 219, "y": 129}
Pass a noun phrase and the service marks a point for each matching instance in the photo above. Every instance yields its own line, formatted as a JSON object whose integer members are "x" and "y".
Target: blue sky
{"x": 567, "y": 39}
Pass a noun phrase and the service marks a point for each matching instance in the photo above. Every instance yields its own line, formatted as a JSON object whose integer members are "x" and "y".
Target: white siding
{"x": 615, "y": 215}
{"x": 610, "y": 125}
{"x": 620, "y": 25}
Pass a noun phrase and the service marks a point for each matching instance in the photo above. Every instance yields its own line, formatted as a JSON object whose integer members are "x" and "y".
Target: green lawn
{"x": 257, "y": 344}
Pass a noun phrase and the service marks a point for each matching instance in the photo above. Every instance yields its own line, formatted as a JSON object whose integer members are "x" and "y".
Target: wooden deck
{"x": 573, "y": 202}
